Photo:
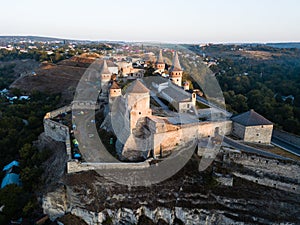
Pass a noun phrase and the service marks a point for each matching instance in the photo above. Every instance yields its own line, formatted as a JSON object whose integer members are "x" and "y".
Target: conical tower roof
{"x": 160, "y": 59}
{"x": 137, "y": 88}
{"x": 175, "y": 63}
{"x": 114, "y": 85}
{"x": 105, "y": 69}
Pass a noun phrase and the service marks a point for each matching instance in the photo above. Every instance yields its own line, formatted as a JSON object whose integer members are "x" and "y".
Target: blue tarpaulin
{"x": 9, "y": 166}
{"x": 11, "y": 178}
{"x": 77, "y": 155}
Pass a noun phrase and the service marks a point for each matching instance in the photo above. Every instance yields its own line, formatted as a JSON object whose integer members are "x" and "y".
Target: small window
{"x": 140, "y": 113}
{"x": 257, "y": 134}
{"x": 177, "y": 79}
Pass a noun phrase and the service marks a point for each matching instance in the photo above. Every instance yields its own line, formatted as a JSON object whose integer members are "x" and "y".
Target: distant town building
{"x": 252, "y": 127}
{"x": 135, "y": 73}
{"x": 124, "y": 67}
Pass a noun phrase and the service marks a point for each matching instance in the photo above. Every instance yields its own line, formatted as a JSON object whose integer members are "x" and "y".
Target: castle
{"x": 142, "y": 131}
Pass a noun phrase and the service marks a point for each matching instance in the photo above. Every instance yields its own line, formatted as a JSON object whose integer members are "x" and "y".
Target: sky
{"x": 175, "y": 21}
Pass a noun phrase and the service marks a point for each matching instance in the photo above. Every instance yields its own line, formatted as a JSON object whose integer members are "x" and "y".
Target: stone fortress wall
{"x": 188, "y": 132}
{"x": 58, "y": 131}
{"x": 284, "y": 175}
{"x": 269, "y": 172}
{"x": 74, "y": 166}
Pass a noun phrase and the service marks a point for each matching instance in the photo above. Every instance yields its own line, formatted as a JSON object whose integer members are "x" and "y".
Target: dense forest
{"x": 21, "y": 122}
{"x": 259, "y": 77}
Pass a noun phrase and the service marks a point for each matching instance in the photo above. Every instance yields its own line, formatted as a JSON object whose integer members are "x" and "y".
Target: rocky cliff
{"x": 189, "y": 197}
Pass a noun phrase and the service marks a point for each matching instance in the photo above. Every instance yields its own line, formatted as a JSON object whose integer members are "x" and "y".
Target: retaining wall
{"x": 266, "y": 171}
{"x": 75, "y": 166}
{"x": 58, "y": 131}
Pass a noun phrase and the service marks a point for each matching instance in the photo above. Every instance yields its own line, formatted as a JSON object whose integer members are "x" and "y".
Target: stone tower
{"x": 105, "y": 76}
{"x": 137, "y": 103}
{"x": 175, "y": 73}
{"x": 186, "y": 86}
{"x": 160, "y": 64}
{"x": 114, "y": 90}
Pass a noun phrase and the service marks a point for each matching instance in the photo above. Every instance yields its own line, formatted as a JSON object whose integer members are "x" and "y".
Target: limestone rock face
{"x": 54, "y": 203}
{"x": 129, "y": 216}
{"x": 190, "y": 196}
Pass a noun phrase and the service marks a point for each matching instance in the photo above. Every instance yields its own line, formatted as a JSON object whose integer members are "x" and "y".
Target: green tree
{"x": 13, "y": 198}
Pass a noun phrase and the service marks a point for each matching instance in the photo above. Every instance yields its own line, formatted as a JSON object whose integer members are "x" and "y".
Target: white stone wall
{"x": 256, "y": 134}
{"x": 58, "y": 131}
{"x": 75, "y": 166}
{"x": 185, "y": 133}
{"x": 55, "y": 130}
{"x": 259, "y": 134}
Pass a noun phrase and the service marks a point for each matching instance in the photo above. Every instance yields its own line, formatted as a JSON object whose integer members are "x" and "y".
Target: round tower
{"x": 175, "y": 73}
{"x": 137, "y": 103}
{"x": 105, "y": 73}
{"x": 160, "y": 64}
{"x": 114, "y": 90}
{"x": 186, "y": 86}
{"x": 105, "y": 76}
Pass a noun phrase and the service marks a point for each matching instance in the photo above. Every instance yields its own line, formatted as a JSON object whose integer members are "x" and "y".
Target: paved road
{"x": 249, "y": 149}
{"x": 286, "y": 145}
{"x": 92, "y": 148}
